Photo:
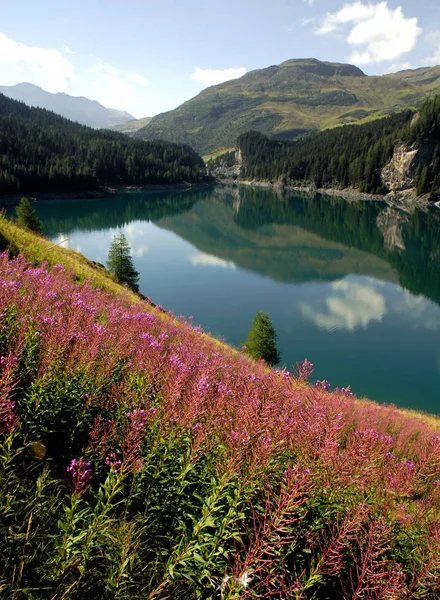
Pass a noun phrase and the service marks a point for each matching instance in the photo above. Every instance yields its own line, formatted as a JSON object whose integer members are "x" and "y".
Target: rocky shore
{"x": 405, "y": 200}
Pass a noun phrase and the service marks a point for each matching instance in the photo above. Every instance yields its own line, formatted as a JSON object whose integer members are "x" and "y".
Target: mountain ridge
{"x": 76, "y": 108}
{"x": 289, "y": 100}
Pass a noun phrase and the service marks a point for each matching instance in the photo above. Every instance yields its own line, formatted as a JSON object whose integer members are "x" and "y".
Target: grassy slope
{"x": 39, "y": 249}
{"x": 228, "y": 471}
{"x": 287, "y": 100}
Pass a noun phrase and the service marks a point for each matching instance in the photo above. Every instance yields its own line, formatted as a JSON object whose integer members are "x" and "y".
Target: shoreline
{"x": 405, "y": 200}
{"x": 103, "y": 192}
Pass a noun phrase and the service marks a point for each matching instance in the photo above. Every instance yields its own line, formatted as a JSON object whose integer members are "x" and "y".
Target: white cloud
{"x": 433, "y": 40}
{"x": 377, "y": 33}
{"x": 202, "y": 259}
{"x": 350, "y": 307}
{"x": 45, "y": 67}
{"x": 215, "y": 76}
{"x": 349, "y": 13}
{"x": 310, "y": 2}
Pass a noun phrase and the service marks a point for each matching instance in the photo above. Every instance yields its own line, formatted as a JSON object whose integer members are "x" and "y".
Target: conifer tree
{"x": 120, "y": 262}
{"x": 261, "y": 341}
{"x": 27, "y": 217}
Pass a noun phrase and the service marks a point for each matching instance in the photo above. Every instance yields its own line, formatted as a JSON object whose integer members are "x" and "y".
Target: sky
{"x": 150, "y": 56}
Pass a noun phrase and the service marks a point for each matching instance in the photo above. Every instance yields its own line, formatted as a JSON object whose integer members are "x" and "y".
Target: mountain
{"x": 289, "y": 100}
{"x": 76, "y": 108}
{"x": 43, "y": 152}
{"x": 131, "y": 127}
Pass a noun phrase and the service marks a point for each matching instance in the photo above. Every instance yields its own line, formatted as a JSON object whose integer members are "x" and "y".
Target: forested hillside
{"x": 42, "y": 152}
{"x": 350, "y": 156}
{"x": 290, "y": 100}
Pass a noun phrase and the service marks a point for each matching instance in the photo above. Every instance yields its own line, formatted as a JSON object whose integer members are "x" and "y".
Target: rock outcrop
{"x": 398, "y": 175}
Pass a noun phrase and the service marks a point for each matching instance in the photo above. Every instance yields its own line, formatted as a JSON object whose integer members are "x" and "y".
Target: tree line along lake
{"x": 352, "y": 286}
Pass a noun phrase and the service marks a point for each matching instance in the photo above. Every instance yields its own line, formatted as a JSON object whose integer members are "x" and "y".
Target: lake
{"x": 352, "y": 286}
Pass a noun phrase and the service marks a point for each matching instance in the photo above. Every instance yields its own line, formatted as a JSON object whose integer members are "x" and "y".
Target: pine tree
{"x": 120, "y": 262}
{"x": 261, "y": 341}
{"x": 27, "y": 217}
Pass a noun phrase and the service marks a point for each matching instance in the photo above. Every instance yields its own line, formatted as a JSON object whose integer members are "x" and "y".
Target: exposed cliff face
{"x": 398, "y": 174}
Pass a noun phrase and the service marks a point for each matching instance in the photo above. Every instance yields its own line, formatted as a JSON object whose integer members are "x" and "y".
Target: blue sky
{"x": 149, "y": 56}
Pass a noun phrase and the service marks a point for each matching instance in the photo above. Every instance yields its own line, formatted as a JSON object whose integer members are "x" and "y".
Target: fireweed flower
{"x": 134, "y": 435}
{"x": 203, "y": 385}
{"x": 79, "y": 473}
{"x": 8, "y": 415}
{"x": 113, "y": 462}
{"x": 346, "y": 391}
{"x": 305, "y": 369}
{"x": 323, "y": 385}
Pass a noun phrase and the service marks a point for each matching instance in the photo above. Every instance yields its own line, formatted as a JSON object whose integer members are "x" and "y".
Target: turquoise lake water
{"x": 352, "y": 286}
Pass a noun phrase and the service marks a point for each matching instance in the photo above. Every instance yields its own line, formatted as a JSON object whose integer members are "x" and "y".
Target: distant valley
{"x": 130, "y": 127}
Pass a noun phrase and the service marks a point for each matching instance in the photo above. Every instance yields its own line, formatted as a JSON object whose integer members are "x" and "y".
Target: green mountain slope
{"x": 289, "y": 100}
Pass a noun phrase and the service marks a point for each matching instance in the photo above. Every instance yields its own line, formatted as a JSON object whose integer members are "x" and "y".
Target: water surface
{"x": 354, "y": 287}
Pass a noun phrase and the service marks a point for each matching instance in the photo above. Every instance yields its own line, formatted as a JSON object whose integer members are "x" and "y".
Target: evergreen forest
{"x": 350, "y": 156}
{"x": 43, "y": 152}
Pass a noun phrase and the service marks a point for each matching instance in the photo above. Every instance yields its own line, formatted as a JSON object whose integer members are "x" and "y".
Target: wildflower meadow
{"x": 142, "y": 459}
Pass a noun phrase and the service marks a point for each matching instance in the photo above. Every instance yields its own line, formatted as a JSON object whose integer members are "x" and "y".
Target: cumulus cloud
{"x": 45, "y": 67}
{"x": 376, "y": 33}
{"x": 215, "y": 76}
{"x": 433, "y": 40}
{"x": 350, "y": 306}
{"x": 208, "y": 260}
